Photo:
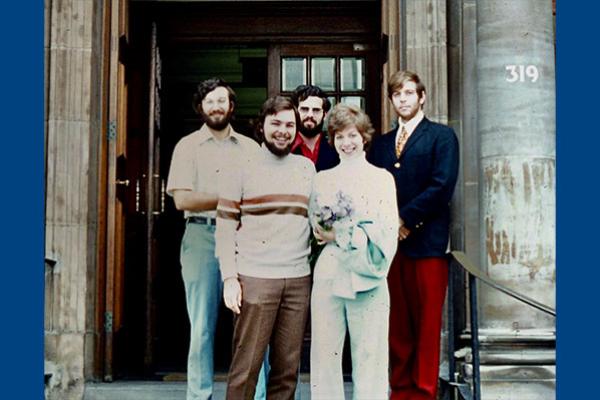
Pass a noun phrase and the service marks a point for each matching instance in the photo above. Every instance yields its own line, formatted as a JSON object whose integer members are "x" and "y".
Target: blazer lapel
{"x": 416, "y": 135}
{"x": 390, "y": 147}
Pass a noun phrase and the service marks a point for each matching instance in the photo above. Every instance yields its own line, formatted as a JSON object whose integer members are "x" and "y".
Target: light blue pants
{"x": 263, "y": 378}
{"x": 203, "y": 291}
{"x": 366, "y": 318}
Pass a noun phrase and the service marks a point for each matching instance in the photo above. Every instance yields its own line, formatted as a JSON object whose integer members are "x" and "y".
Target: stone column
{"x": 516, "y": 124}
{"x": 70, "y": 188}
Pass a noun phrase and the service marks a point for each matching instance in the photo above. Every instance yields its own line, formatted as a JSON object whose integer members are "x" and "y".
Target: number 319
{"x": 519, "y": 72}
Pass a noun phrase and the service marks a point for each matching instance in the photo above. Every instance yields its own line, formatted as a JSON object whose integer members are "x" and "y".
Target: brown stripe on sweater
{"x": 276, "y": 210}
{"x": 271, "y": 198}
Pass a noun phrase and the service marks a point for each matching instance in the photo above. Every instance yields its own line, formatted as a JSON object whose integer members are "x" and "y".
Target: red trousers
{"x": 417, "y": 292}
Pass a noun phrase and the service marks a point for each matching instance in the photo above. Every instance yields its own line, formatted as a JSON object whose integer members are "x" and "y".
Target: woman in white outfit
{"x": 353, "y": 212}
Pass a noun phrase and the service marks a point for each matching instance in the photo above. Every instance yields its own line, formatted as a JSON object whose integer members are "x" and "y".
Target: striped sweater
{"x": 262, "y": 217}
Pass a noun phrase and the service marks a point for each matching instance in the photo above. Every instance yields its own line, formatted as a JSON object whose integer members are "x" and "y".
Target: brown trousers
{"x": 274, "y": 312}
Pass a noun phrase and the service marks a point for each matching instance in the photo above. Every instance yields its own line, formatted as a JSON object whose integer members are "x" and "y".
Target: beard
{"x": 217, "y": 120}
{"x": 277, "y": 151}
{"x": 311, "y": 132}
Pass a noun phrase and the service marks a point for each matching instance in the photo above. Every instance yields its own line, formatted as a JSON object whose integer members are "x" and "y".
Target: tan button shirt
{"x": 199, "y": 158}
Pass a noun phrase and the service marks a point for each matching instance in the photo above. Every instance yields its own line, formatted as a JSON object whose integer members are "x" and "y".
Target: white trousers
{"x": 367, "y": 319}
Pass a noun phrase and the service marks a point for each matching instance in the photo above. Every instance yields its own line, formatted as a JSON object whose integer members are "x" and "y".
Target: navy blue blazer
{"x": 425, "y": 175}
{"x": 327, "y": 157}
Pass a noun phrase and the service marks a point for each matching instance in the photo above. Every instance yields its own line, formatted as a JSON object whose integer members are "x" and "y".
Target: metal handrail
{"x": 462, "y": 259}
{"x": 474, "y": 275}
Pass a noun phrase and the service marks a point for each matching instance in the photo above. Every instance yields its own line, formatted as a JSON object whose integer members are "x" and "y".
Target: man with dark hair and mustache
{"x": 313, "y": 106}
{"x": 193, "y": 182}
{"x": 262, "y": 243}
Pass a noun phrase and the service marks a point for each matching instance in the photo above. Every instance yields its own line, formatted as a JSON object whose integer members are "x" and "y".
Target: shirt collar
{"x": 205, "y": 135}
{"x": 412, "y": 124}
{"x": 299, "y": 140}
{"x": 313, "y": 154}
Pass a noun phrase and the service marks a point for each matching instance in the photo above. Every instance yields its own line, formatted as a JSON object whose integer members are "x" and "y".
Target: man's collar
{"x": 298, "y": 141}
{"x": 413, "y": 122}
{"x": 205, "y": 134}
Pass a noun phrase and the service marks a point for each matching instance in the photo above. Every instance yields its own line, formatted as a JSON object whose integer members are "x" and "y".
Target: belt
{"x": 202, "y": 220}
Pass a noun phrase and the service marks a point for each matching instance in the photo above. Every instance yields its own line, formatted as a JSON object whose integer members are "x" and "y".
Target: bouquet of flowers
{"x": 341, "y": 210}
{"x": 326, "y": 213}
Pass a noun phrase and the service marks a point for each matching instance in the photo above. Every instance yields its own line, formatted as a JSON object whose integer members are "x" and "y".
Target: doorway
{"x": 244, "y": 66}
{"x": 261, "y": 50}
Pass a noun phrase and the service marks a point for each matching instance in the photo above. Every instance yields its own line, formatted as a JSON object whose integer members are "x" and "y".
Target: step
{"x": 518, "y": 382}
{"x": 158, "y": 390}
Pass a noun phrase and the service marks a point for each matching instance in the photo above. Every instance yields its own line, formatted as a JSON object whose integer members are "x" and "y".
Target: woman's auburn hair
{"x": 345, "y": 115}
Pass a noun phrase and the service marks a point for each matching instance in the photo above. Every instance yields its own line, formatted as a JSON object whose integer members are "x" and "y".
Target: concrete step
{"x": 515, "y": 382}
{"x": 522, "y": 382}
{"x": 157, "y": 390}
{"x": 138, "y": 390}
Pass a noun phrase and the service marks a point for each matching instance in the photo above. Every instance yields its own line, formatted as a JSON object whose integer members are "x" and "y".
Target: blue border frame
{"x": 578, "y": 152}
{"x": 21, "y": 287}
{"x": 22, "y": 202}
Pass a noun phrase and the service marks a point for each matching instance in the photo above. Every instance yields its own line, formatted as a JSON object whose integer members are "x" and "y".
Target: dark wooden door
{"x": 118, "y": 185}
{"x": 155, "y": 195}
{"x": 136, "y": 211}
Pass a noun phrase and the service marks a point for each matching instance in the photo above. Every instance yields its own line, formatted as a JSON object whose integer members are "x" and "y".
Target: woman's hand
{"x": 323, "y": 236}
{"x": 232, "y": 294}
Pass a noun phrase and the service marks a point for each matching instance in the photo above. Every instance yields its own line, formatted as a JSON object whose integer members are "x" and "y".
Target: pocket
{"x": 251, "y": 289}
{"x": 185, "y": 239}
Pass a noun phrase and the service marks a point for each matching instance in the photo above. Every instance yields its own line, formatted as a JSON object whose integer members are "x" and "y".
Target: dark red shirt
{"x": 306, "y": 152}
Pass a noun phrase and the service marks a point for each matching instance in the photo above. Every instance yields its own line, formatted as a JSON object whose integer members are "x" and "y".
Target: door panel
{"x": 155, "y": 195}
{"x": 118, "y": 186}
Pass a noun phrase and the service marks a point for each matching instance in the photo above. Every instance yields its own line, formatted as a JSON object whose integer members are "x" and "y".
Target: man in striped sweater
{"x": 262, "y": 243}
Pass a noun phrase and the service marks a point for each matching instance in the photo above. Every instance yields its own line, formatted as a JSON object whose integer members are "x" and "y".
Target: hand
{"x": 322, "y": 235}
{"x": 232, "y": 294}
{"x": 403, "y": 231}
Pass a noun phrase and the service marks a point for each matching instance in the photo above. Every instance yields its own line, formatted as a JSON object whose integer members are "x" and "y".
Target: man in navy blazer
{"x": 423, "y": 158}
